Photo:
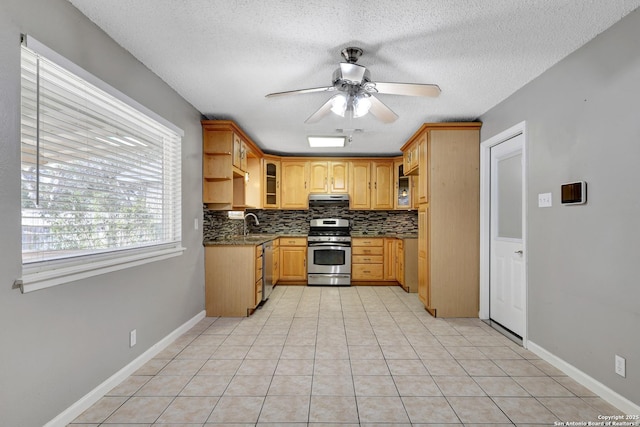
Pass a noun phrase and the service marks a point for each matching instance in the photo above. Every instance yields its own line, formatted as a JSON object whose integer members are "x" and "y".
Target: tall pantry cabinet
{"x": 448, "y": 216}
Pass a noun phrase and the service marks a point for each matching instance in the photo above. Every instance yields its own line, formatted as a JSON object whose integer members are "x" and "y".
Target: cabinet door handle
{"x": 325, "y": 181}
{"x": 305, "y": 185}
{"x": 369, "y": 183}
{"x": 375, "y": 185}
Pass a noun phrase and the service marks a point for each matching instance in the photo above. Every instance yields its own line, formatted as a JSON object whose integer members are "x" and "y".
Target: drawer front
{"x": 366, "y": 241}
{"x": 258, "y": 292}
{"x": 293, "y": 241}
{"x": 367, "y": 272}
{"x": 367, "y": 250}
{"x": 366, "y": 259}
{"x": 259, "y": 269}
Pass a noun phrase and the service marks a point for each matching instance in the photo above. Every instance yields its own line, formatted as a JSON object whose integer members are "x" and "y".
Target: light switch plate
{"x": 544, "y": 200}
{"x": 133, "y": 338}
{"x": 621, "y": 366}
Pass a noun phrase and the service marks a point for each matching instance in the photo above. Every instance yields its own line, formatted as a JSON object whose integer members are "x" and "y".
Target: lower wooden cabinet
{"x": 275, "y": 277}
{"x": 424, "y": 289}
{"x": 259, "y": 275}
{"x": 293, "y": 259}
{"x": 390, "y": 259}
{"x": 407, "y": 264}
{"x": 367, "y": 259}
{"x": 233, "y": 279}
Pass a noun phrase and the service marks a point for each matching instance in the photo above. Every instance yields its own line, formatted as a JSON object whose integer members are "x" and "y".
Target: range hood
{"x": 317, "y": 200}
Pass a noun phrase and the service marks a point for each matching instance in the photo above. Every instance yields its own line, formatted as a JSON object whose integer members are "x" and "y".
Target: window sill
{"x": 36, "y": 280}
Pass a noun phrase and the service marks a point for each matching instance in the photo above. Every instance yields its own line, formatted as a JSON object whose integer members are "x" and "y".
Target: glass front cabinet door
{"x": 271, "y": 183}
{"x": 403, "y": 188}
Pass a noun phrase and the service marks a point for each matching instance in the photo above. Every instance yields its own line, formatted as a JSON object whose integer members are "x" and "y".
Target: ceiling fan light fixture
{"x": 326, "y": 141}
{"x": 339, "y": 104}
{"x": 361, "y": 106}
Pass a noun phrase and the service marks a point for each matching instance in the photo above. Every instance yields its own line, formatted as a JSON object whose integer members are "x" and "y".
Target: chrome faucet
{"x": 244, "y": 222}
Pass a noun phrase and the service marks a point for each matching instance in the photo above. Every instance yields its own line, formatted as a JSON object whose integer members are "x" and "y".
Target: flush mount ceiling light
{"x": 355, "y": 91}
{"x": 326, "y": 141}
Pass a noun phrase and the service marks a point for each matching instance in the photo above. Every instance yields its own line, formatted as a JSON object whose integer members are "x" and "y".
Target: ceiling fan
{"x": 355, "y": 91}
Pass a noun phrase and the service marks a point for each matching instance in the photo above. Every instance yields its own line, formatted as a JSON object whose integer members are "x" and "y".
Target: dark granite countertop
{"x": 384, "y": 234}
{"x": 251, "y": 239}
{"x": 258, "y": 239}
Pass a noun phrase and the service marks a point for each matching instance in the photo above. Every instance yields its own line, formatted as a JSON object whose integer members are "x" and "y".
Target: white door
{"x": 506, "y": 277}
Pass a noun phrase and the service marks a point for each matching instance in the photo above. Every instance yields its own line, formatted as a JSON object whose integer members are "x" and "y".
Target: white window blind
{"x": 99, "y": 178}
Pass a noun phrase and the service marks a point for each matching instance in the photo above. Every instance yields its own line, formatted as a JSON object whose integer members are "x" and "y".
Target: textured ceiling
{"x": 224, "y": 56}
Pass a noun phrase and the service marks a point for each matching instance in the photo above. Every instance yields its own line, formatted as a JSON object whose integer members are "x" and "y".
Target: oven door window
{"x": 329, "y": 256}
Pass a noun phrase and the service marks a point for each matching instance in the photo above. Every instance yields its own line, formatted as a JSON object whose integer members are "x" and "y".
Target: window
{"x": 100, "y": 179}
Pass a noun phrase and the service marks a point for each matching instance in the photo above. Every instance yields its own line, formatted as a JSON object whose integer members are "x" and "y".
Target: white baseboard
{"x": 73, "y": 411}
{"x": 617, "y": 400}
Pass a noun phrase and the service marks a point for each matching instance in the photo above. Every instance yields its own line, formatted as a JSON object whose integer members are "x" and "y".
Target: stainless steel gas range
{"x": 329, "y": 252}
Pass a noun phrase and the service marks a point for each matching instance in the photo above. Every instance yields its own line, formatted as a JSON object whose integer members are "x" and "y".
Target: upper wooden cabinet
{"x": 423, "y": 169}
{"x": 295, "y": 184}
{"x": 328, "y": 177}
{"x": 382, "y": 182}
{"x": 338, "y": 177}
{"x": 405, "y": 187}
{"x": 237, "y": 174}
{"x": 240, "y": 152}
{"x": 271, "y": 182}
{"x": 230, "y": 167}
{"x": 360, "y": 184}
{"x": 410, "y": 158}
{"x": 371, "y": 184}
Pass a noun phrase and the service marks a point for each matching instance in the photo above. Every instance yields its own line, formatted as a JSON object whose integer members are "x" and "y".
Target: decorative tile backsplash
{"x": 217, "y": 225}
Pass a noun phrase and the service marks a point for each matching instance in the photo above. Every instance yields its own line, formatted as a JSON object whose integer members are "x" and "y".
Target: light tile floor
{"x": 355, "y": 356}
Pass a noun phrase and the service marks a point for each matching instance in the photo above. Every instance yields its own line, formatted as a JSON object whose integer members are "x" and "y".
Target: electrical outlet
{"x": 195, "y": 224}
{"x": 544, "y": 200}
{"x": 235, "y": 214}
{"x": 132, "y": 338}
{"x": 621, "y": 366}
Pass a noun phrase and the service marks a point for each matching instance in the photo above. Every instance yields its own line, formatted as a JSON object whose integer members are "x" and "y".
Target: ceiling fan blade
{"x": 321, "y": 112}
{"x": 296, "y": 92}
{"x": 381, "y": 111}
{"x": 409, "y": 89}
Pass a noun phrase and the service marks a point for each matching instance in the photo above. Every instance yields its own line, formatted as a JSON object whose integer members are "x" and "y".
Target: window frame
{"x": 43, "y": 274}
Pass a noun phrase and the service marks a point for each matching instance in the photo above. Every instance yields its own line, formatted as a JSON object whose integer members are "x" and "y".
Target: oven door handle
{"x": 324, "y": 244}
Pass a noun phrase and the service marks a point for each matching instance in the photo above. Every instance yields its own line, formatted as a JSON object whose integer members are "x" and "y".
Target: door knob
{"x": 520, "y": 252}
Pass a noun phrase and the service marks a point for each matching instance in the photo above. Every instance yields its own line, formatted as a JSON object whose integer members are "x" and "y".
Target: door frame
{"x": 485, "y": 217}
